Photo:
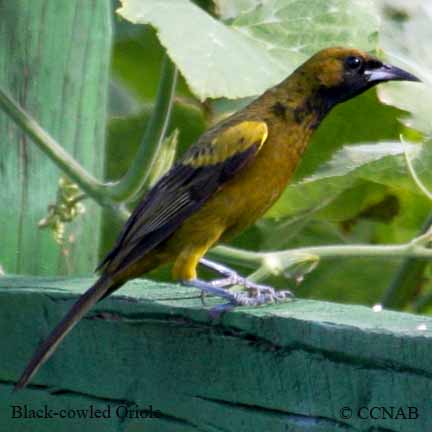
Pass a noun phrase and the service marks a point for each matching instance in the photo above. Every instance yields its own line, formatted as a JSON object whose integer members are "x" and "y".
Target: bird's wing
{"x": 184, "y": 189}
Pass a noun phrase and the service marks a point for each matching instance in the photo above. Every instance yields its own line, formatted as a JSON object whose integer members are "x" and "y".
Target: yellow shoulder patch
{"x": 229, "y": 142}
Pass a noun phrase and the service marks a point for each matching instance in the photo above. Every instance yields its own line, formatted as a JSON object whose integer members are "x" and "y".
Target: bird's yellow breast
{"x": 246, "y": 197}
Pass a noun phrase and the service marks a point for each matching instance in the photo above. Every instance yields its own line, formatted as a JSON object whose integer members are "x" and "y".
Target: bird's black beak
{"x": 389, "y": 73}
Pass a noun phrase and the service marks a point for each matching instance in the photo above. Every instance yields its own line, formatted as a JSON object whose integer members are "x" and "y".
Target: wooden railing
{"x": 299, "y": 366}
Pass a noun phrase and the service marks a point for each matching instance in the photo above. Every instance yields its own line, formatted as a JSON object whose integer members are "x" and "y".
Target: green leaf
{"x": 227, "y": 9}
{"x": 420, "y": 163}
{"x": 405, "y": 44}
{"x": 257, "y": 49}
{"x": 215, "y": 60}
{"x": 350, "y": 158}
{"x": 381, "y": 163}
{"x": 292, "y": 30}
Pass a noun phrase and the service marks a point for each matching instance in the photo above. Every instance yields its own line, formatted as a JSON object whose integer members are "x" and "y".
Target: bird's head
{"x": 339, "y": 74}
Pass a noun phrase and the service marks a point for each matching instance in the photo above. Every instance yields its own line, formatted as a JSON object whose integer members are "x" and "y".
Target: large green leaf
{"x": 292, "y": 30}
{"x": 383, "y": 165}
{"x": 350, "y": 158}
{"x": 213, "y": 58}
{"x": 258, "y": 48}
{"x": 228, "y": 9}
{"x": 406, "y": 43}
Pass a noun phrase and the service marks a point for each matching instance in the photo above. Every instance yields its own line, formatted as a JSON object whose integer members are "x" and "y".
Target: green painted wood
{"x": 288, "y": 367}
{"x": 54, "y": 60}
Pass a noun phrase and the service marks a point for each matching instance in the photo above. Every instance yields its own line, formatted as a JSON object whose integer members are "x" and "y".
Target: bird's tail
{"x": 76, "y": 312}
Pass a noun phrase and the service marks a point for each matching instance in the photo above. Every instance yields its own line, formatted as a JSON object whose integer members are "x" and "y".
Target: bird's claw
{"x": 265, "y": 296}
{"x": 255, "y": 295}
{"x": 254, "y": 289}
{"x": 264, "y": 293}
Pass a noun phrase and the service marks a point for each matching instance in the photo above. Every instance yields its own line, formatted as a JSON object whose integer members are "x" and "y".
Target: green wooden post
{"x": 300, "y": 366}
{"x": 54, "y": 60}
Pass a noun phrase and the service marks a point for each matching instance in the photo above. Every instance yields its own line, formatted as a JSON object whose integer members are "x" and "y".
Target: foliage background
{"x": 352, "y": 187}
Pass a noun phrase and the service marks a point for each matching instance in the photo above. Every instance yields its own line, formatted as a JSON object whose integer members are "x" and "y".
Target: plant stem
{"x": 87, "y": 183}
{"x": 139, "y": 172}
{"x": 282, "y": 260}
{"x": 52, "y": 148}
{"x": 106, "y": 194}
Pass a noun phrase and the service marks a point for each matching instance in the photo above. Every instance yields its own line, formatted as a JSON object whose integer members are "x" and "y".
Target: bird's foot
{"x": 232, "y": 278}
{"x": 254, "y": 289}
{"x": 256, "y": 294}
{"x": 226, "y": 282}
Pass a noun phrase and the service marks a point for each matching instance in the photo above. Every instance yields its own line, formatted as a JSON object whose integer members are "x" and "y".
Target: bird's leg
{"x": 230, "y": 276}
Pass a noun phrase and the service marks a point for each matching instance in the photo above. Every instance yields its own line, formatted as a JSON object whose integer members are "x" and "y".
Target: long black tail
{"x": 76, "y": 312}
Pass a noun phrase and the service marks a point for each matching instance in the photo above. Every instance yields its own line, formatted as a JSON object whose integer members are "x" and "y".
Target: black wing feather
{"x": 176, "y": 196}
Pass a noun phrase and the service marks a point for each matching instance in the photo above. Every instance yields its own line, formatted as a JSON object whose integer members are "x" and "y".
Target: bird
{"x": 223, "y": 183}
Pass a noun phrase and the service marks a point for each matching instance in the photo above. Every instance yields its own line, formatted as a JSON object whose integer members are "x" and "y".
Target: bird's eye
{"x": 353, "y": 62}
